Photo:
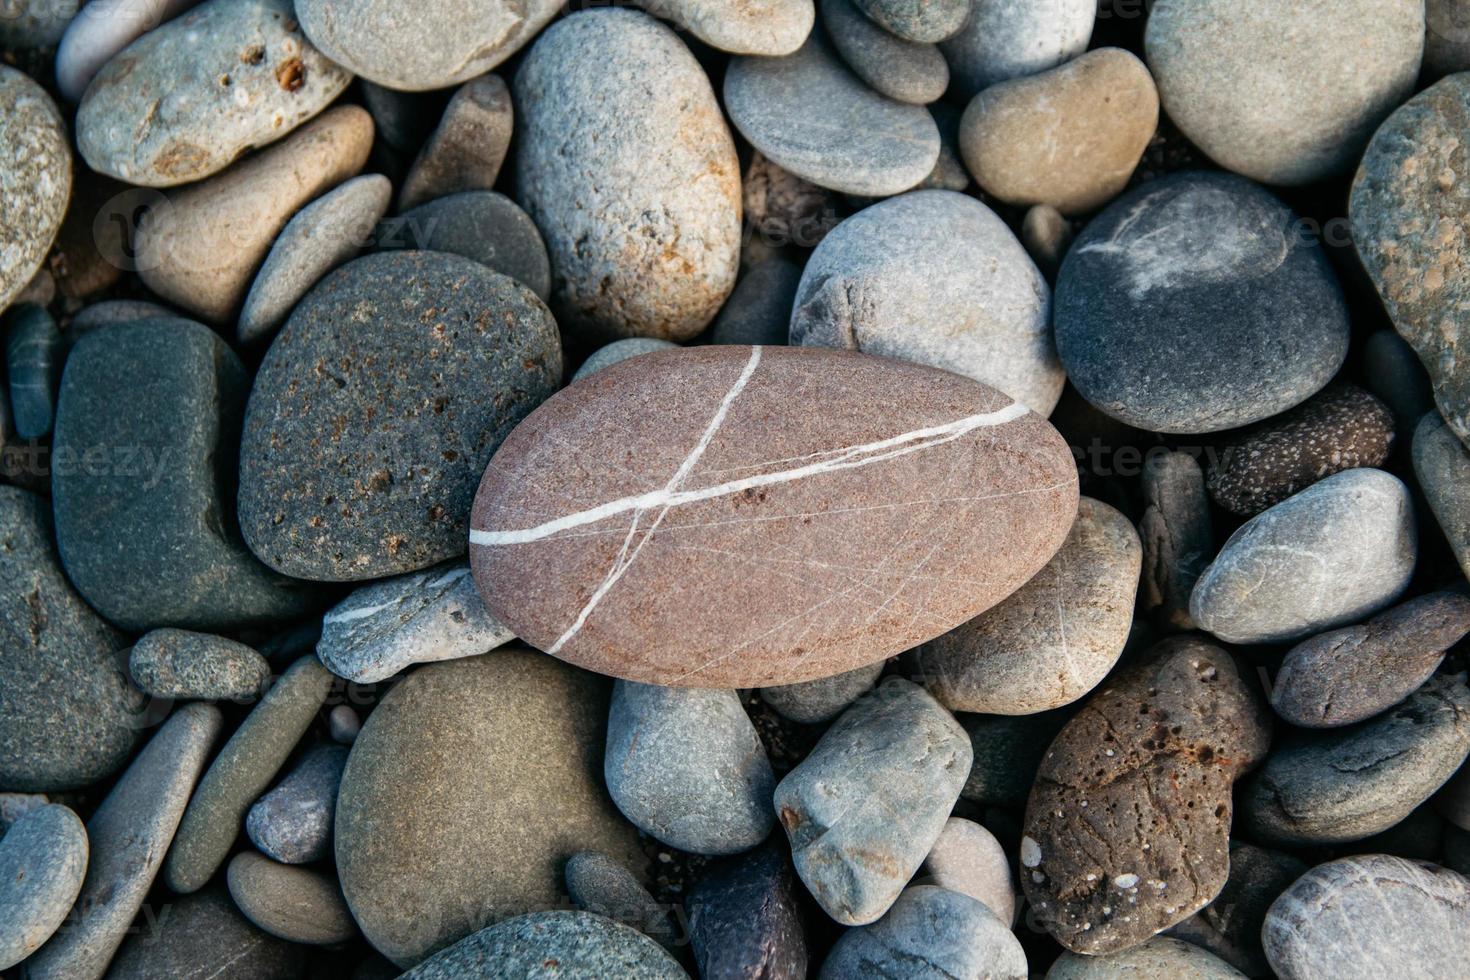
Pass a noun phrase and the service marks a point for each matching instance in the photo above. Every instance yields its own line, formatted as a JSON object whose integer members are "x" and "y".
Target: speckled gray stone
{"x": 204, "y": 937}
{"x": 13, "y": 806}
{"x": 1230, "y": 926}
{"x": 1394, "y": 374}
{"x": 864, "y": 808}
{"x": 1193, "y": 303}
{"x": 924, "y": 21}
{"x": 33, "y": 356}
{"x": 899, "y": 69}
{"x": 1418, "y": 261}
{"x": 744, "y": 918}
{"x": 1335, "y": 553}
{"x": 929, "y": 931}
{"x": 241, "y": 772}
{"x": 636, "y": 189}
{"x": 326, "y": 233}
{"x": 1370, "y": 916}
{"x": 1346, "y": 675}
{"x": 293, "y": 822}
{"x": 600, "y": 884}
{"x": 871, "y": 286}
{"x": 1053, "y": 639}
{"x": 1442, "y": 464}
{"x": 465, "y": 151}
{"x": 367, "y": 467}
{"x": 481, "y": 225}
{"x": 129, "y": 836}
{"x": 549, "y": 946}
{"x": 1337, "y": 429}
{"x": 172, "y": 663}
{"x": 187, "y": 98}
{"x": 68, "y": 713}
{"x": 798, "y": 111}
{"x": 35, "y": 179}
{"x": 763, "y": 27}
{"x": 1177, "y": 533}
{"x": 1284, "y": 93}
{"x": 43, "y": 858}
{"x": 1446, "y": 37}
{"x": 620, "y": 350}
{"x": 1003, "y": 39}
{"x": 821, "y": 700}
{"x": 382, "y": 628}
{"x": 299, "y": 905}
{"x": 1332, "y": 787}
{"x": 1159, "y": 957}
{"x": 968, "y": 859}
{"x": 442, "y": 43}
{"x": 686, "y": 766}
{"x": 759, "y": 310}
{"x": 158, "y": 460}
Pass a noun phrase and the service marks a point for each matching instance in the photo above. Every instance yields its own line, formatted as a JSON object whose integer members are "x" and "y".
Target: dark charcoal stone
{"x": 744, "y": 922}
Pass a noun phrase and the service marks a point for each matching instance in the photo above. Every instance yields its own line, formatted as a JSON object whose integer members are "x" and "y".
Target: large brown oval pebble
{"x": 1127, "y": 829}
{"x": 751, "y": 516}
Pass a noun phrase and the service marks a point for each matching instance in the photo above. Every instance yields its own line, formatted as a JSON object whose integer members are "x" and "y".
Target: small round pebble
{"x": 173, "y": 663}
{"x": 743, "y": 917}
{"x": 899, "y": 69}
{"x": 299, "y": 905}
{"x": 43, "y": 859}
{"x": 481, "y": 225}
{"x": 1397, "y": 377}
{"x": 35, "y": 179}
{"x": 1003, "y": 39}
{"x": 552, "y": 945}
{"x": 326, "y": 233}
{"x": 620, "y": 350}
{"x": 968, "y": 859}
{"x": 1335, "y": 553}
{"x": 764, "y": 27}
{"x": 796, "y": 111}
{"x": 1046, "y": 234}
{"x": 686, "y": 766}
{"x": 343, "y": 724}
{"x": 929, "y": 931}
{"x": 821, "y": 700}
{"x": 1284, "y": 93}
{"x": 292, "y": 823}
{"x": 782, "y": 209}
{"x": 870, "y": 286}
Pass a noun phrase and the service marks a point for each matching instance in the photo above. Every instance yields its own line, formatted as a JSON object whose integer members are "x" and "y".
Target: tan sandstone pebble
{"x": 1056, "y": 638}
{"x": 301, "y": 905}
{"x": 714, "y": 546}
{"x": 1127, "y": 829}
{"x": 200, "y": 251}
{"x": 968, "y": 859}
{"x": 1069, "y": 137}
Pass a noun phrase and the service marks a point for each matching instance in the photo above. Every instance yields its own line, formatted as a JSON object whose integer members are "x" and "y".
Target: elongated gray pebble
{"x": 763, "y": 27}
{"x": 43, "y": 859}
{"x": 101, "y": 30}
{"x": 465, "y": 151}
{"x": 173, "y": 663}
{"x": 759, "y": 310}
{"x": 1002, "y": 39}
{"x": 292, "y": 823}
{"x": 903, "y": 70}
{"x": 1442, "y": 464}
{"x": 600, "y": 884}
{"x": 968, "y": 859}
{"x": 33, "y": 356}
{"x": 930, "y": 931}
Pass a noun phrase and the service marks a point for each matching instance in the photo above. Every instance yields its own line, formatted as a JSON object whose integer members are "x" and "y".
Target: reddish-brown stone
{"x": 746, "y": 517}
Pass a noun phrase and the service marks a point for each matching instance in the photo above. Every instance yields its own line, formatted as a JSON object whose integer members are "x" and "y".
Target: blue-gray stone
{"x": 929, "y": 932}
{"x": 865, "y": 807}
{"x": 204, "y": 937}
{"x": 43, "y": 859}
{"x": 813, "y": 702}
{"x": 687, "y": 766}
{"x": 293, "y": 822}
{"x": 481, "y": 225}
{"x": 557, "y": 945}
{"x": 602, "y": 884}
{"x": 620, "y": 350}
{"x": 33, "y": 355}
{"x": 759, "y": 310}
{"x": 1196, "y": 303}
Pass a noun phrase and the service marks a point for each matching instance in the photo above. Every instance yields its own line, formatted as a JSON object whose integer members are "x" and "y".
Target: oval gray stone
{"x": 1002, "y": 39}
{"x": 1442, "y": 464}
{"x": 168, "y": 552}
{"x": 299, "y": 905}
{"x": 43, "y": 859}
{"x": 1344, "y": 676}
{"x": 443, "y": 43}
{"x": 480, "y": 225}
{"x": 923, "y": 21}
{"x": 190, "y": 96}
{"x": 798, "y": 110}
{"x": 635, "y": 188}
{"x": 35, "y": 179}
{"x": 1446, "y": 37}
{"x": 326, "y": 233}
{"x": 1161, "y": 956}
{"x": 600, "y": 884}
{"x": 172, "y": 663}
{"x": 362, "y": 448}
{"x": 129, "y": 835}
{"x": 865, "y": 807}
{"x": 1352, "y": 918}
{"x": 744, "y": 920}
{"x": 900, "y": 69}
{"x": 382, "y": 628}
{"x": 576, "y": 944}
{"x": 68, "y": 714}
{"x": 620, "y": 350}
{"x": 929, "y": 931}
{"x": 816, "y": 701}
{"x": 292, "y": 823}
{"x": 1335, "y": 553}
{"x": 1056, "y": 637}
{"x": 686, "y": 766}
{"x": 103, "y": 29}
{"x": 1284, "y": 93}
{"x": 870, "y": 286}
{"x": 1331, "y": 787}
